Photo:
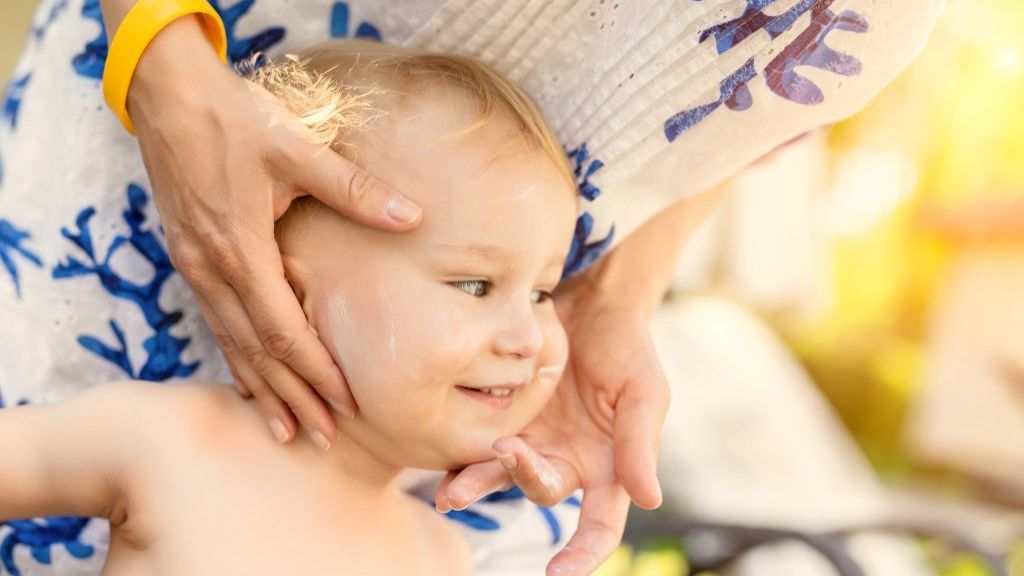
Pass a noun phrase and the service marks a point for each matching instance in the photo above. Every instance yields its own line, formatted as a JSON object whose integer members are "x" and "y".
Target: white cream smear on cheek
{"x": 550, "y": 374}
{"x": 340, "y": 326}
{"x": 338, "y": 321}
{"x": 522, "y": 193}
{"x": 348, "y": 344}
{"x": 389, "y": 313}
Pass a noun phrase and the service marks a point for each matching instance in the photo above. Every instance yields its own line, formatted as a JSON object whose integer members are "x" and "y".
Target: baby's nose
{"x": 521, "y": 336}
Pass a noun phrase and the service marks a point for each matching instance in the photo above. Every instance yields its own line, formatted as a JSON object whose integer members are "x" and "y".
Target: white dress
{"x": 654, "y": 100}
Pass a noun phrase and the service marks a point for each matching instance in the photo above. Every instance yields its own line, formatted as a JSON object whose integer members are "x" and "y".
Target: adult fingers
{"x": 337, "y": 182}
{"x": 464, "y": 487}
{"x": 543, "y": 481}
{"x": 276, "y": 411}
{"x": 639, "y": 418}
{"x": 243, "y": 389}
{"x": 602, "y": 520}
{"x": 276, "y": 379}
{"x": 282, "y": 328}
{"x": 441, "y": 503}
{"x": 226, "y": 343}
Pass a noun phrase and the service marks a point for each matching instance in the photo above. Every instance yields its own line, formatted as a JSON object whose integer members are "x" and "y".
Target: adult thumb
{"x": 350, "y": 190}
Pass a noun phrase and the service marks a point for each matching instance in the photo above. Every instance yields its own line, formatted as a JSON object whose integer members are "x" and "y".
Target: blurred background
{"x": 865, "y": 283}
{"x": 845, "y": 337}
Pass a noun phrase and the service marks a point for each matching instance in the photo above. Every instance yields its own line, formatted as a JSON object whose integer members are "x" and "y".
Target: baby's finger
{"x": 475, "y": 482}
{"x": 602, "y": 520}
{"x": 543, "y": 481}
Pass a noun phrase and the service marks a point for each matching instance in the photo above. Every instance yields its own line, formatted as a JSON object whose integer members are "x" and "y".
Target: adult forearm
{"x": 639, "y": 270}
{"x": 113, "y": 13}
{"x": 172, "y": 63}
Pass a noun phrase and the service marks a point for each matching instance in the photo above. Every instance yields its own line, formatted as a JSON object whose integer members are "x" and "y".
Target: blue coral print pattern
{"x": 12, "y": 105}
{"x": 38, "y": 31}
{"x": 19, "y": 82}
{"x": 39, "y": 536}
{"x": 12, "y": 244}
{"x": 12, "y": 99}
{"x": 483, "y": 522}
{"x": 733, "y": 93}
{"x": 93, "y": 58}
{"x": 340, "y": 24}
{"x": 808, "y": 49}
{"x": 243, "y": 48}
{"x": 583, "y": 253}
{"x": 163, "y": 350}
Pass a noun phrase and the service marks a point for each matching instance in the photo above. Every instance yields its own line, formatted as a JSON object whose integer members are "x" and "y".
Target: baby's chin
{"x": 471, "y": 446}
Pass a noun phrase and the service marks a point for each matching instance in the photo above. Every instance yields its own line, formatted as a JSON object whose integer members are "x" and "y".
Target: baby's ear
{"x": 294, "y": 274}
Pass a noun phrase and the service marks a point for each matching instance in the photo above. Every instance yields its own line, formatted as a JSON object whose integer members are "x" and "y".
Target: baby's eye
{"x": 478, "y": 288}
{"x": 540, "y": 296}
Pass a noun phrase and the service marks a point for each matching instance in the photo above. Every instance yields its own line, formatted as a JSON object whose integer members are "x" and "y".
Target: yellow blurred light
{"x": 1010, "y": 60}
{"x": 619, "y": 564}
{"x": 870, "y": 186}
{"x": 659, "y": 563}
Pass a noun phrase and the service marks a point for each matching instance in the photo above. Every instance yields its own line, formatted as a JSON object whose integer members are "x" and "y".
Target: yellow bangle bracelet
{"x": 142, "y": 23}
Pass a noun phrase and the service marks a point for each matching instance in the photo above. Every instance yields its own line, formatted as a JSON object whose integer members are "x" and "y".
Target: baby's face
{"x": 447, "y": 334}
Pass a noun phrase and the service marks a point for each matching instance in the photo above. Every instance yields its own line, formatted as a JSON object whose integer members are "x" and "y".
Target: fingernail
{"x": 509, "y": 461}
{"x": 320, "y": 440}
{"x": 279, "y": 429}
{"x": 567, "y": 568}
{"x": 402, "y": 210}
{"x": 442, "y": 505}
{"x": 458, "y": 499}
{"x": 344, "y": 409}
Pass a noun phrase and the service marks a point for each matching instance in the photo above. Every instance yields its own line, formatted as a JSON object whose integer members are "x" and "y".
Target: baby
{"x": 447, "y": 335}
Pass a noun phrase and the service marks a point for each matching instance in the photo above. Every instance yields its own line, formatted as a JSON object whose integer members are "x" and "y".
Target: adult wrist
{"x": 615, "y": 283}
{"x": 627, "y": 283}
{"x": 639, "y": 270}
{"x": 175, "y": 63}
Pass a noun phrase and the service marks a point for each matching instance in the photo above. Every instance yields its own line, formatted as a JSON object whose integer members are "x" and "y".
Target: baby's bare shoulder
{"x": 187, "y": 398}
{"x": 167, "y": 410}
{"x": 443, "y": 542}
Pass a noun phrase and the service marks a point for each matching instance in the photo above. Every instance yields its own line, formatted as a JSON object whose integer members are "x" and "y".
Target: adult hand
{"x": 224, "y": 164}
{"x": 601, "y": 431}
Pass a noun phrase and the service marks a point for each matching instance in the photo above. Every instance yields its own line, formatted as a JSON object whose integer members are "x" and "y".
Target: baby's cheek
{"x": 551, "y": 364}
{"x": 439, "y": 347}
{"x": 553, "y": 357}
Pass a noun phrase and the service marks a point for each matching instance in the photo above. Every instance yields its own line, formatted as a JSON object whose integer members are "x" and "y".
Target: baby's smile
{"x": 497, "y": 397}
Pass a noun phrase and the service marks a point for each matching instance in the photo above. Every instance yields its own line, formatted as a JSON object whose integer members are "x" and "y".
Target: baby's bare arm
{"x": 73, "y": 457}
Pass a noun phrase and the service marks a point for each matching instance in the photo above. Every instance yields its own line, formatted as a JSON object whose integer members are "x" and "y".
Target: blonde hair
{"x": 332, "y": 89}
